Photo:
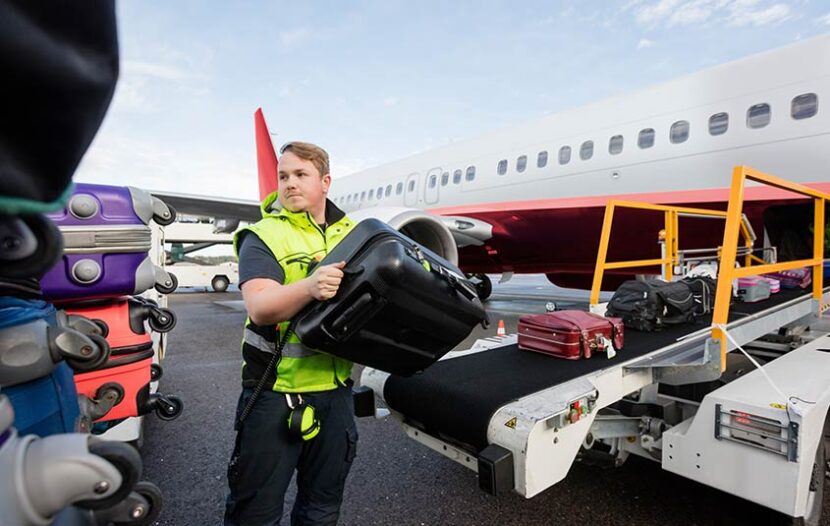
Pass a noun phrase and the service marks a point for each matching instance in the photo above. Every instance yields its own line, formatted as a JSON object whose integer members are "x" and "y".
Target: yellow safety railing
{"x": 727, "y": 271}
{"x": 671, "y": 255}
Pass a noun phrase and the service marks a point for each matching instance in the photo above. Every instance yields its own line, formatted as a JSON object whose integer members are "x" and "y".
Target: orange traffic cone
{"x": 500, "y": 331}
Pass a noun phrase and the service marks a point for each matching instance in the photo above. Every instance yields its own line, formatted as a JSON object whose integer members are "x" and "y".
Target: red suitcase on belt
{"x": 569, "y": 334}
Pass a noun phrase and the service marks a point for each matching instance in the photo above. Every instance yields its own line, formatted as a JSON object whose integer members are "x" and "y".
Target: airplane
{"x": 531, "y": 198}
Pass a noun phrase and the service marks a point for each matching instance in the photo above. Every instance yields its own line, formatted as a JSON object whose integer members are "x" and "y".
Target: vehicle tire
{"x": 162, "y": 289}
{"x": 819, "y": 491}
{"x": 128, "y": 463}
{"x": 484, "y": 287}
{"x": 220, "y": 283}
{"x": 170, "y": 410}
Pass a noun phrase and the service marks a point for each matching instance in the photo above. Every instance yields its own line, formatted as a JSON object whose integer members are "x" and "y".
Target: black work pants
{"x": 265, "y": 457}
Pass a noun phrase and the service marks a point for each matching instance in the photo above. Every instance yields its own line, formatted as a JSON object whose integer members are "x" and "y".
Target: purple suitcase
{"x": 106, "y": 243}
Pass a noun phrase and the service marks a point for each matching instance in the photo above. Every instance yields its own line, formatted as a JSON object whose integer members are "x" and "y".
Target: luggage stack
{"x": 105, "y": 262}
{"x": 51, "y": 470}
{"x": 42, "y": 428}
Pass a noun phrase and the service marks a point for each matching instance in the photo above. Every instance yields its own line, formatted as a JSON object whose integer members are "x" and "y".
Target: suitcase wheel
{"x": 128, "y": 463}
{"x": 112, "y": 393}
{"x": 169, "y": 407}
{"x": 148, "y": 511}
{"x": 156, "y": 372}
{"x": 105, "y": 329}
{"x": 102, "y": 349}
{"x": 163, "y": 214}
{"x": 162, "y": 320}
{"x": 169, "y": 285}
{"x": 31, "y": 245}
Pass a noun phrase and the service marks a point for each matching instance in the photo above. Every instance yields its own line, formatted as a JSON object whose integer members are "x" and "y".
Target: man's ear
{"x": 326, "y": 183}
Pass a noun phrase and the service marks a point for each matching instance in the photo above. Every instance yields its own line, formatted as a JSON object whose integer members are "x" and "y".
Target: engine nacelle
{"x": 420, "y": 226}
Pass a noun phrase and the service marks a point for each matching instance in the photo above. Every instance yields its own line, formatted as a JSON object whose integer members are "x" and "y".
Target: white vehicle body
{"x": 217, "y": 277}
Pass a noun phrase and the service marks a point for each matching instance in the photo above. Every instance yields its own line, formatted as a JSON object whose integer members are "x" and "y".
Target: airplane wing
{"x": 209, "y": 206}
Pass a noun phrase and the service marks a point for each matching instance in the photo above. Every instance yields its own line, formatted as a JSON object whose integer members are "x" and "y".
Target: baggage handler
{"x": 299, "y": 226}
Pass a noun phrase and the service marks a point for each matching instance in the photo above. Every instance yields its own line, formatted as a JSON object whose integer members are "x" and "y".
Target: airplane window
{"x": 363, "y": 195}
{"x": 380, "y": 192}
{"x": 521, "y": 163}
{"x": 433, "y": 181}
{"x": 399, "y": 189}
{"x": 586, "y": 151}
{"x": 388, "y": 190}
{"x": 804, "y": 106}
{"x": 502, "y": 167}
{"x": 679, "y": 132}
{"x": 564, "y": 155}
{"x": 471, "y": 173}
{"x": 718, "y": 123}
{"x": 456, "y": 177}
{"x": 371, "y": 194}
{"x": 646, "y": 138}
{"x": 411, "y": 187}
{"x": 615, "y": 144}
{"x": 445, "y": 178}
{"x": 542, "y": 159}
{"x": 355, "y": 197}
{"x": 758, "y": 116}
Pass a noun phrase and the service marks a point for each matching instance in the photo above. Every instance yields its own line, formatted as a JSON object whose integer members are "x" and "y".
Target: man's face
{"x": 301, "y": 189}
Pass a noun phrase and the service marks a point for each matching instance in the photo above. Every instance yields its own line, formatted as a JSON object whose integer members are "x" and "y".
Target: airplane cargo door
{"x": 410, "y": 196}
{"x": 431, "y": 186}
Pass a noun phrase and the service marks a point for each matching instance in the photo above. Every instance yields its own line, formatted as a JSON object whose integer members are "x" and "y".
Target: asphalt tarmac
{"x": 394, "y": 480}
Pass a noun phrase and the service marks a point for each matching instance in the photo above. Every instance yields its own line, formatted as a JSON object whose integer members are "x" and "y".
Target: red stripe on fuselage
{"x": 712, "y": 195}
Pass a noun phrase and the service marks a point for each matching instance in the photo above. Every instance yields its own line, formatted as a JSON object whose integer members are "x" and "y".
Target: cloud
{"x": 644, "y": 43}
{"x": 294, "y": 37}
{"x": 732, "y": 13}
{"x": 390, "y": 101}
{"x": 154, "y": 70}
{"x": 825, "y": 19}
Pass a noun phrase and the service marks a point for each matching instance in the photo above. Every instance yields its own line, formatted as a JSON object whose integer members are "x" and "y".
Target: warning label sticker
{"x": 511, "y": 423}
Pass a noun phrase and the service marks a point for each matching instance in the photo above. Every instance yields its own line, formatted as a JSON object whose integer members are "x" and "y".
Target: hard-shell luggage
{"x": 570, "y": 334}
{"x": 774, "y": 285}
{"x": 794, "y": 279}
{"x": 650, "y": 305}
{"x": 121, "y": 389}
{"x": 399, "y": 308}
{"x": 106, "y": 245}
{"x": 122, "y": 322}
{"x": 46, "y": 406}
{"x": 752, "y": 289}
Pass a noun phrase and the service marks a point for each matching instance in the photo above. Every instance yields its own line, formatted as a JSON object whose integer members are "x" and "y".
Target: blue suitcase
{"x": 46, "y": 406}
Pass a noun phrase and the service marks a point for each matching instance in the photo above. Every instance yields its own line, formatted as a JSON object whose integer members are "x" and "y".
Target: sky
{"x": 373, "y": 81}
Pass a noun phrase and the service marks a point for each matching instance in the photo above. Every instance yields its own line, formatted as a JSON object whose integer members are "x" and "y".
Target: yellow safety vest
{"x": 296, "y": 241}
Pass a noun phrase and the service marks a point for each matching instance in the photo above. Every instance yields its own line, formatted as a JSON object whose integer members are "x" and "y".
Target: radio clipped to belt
{"x": 302, "y": 420}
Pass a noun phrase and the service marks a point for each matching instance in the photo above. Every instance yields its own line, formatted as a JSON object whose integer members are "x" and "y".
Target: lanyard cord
{"x": 273, "y": 364}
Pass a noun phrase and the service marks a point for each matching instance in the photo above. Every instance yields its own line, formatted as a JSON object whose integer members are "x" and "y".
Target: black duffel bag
{"x": 650, "y": 305}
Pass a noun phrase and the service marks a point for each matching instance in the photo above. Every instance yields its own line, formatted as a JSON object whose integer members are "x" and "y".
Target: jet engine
{"x": 420, "y": 226}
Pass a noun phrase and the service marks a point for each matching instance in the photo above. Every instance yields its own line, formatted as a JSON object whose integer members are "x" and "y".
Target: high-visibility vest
{"x": 296, "y": 241}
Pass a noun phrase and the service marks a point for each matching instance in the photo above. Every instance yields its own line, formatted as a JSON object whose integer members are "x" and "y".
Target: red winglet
{"x": 266, "y": 158}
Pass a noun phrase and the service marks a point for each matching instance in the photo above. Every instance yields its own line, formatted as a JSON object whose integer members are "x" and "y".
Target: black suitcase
{"x": 399, "y": 308}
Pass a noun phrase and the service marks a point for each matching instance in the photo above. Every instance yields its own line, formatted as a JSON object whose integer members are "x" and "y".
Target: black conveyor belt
{"x": 456, "y": 398}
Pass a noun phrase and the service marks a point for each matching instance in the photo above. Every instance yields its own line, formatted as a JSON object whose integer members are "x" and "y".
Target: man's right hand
{"x": 324, "y": 281}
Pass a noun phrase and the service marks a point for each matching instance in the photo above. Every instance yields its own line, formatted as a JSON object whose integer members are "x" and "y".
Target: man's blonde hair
{"x": 309, "y": 152}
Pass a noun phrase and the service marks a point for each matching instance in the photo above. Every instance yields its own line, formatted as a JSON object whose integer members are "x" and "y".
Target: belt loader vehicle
{"x": 688, "y": 397}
